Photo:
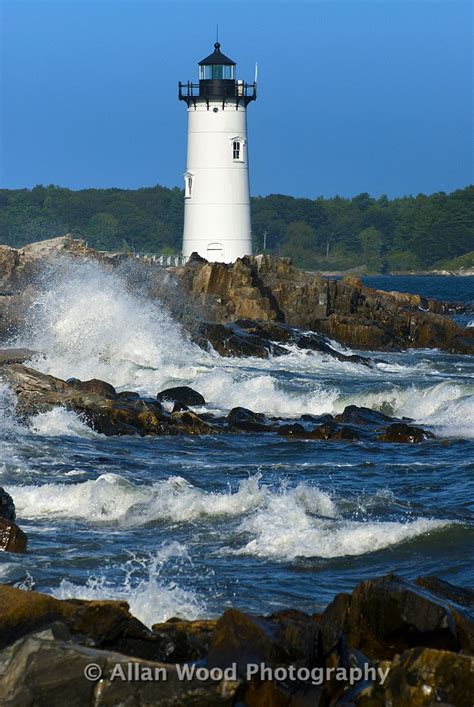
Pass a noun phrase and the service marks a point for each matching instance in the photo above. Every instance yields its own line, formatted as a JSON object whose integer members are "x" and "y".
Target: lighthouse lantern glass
{"x": 217, "y": 71}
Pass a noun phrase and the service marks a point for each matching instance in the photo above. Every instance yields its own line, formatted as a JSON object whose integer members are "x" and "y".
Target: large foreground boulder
{"x": 387, "y": 615}
{"x": 284, "y": 638}
{"x": 39, "y": 670}
{"x": 103, "y": 624}
{"x": 421, "y": 677}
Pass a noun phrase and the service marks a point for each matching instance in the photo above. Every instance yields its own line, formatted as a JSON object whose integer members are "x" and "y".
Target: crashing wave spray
{"x": 86, "y": 323}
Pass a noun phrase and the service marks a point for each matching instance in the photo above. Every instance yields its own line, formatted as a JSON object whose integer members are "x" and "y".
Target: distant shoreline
{"x": 420, "y": 273}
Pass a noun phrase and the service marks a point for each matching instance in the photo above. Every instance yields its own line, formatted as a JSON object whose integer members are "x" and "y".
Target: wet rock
{"x": 244, "y": 419}
{"x": 328, "y": 431}
{"x": 450, "y": 592}
{"x": 95, "y": 386}
{"x": 15, "y": 355}
{"x": 182, "y": 641}
{"x": 7, "y": 507}
{"x": 295, "y": 430}
{"x": 179, "y": 407}
{"x": 403, "y": 433}
{"x": 182, "y": 394}
{"x": 332, "y": 625}
{"x": 275, "y": 694}
{"x": 192, "y": 423}
{"x": 265, "y": 288}
{"x": 423, "y": 676}
{"x": 39, "y": 670}
{"x": 388, "y": 615}
{"x": 37, "y": 392}
{"x": 128, "y": 395}
{"x": 12, "y": 538}
{"x": 285, "y": 638}
{"x": 230, "y": 339}
{"x": 355, "y": 415}
{"x": 102, "y": 624}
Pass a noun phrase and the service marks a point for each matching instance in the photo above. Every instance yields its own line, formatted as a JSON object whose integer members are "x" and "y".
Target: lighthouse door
{"x": 215, "y": 253}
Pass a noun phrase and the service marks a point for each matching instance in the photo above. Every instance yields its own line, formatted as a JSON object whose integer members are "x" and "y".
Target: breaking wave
{"x": 90, "y": 322}
{"x": 152, "y": 596}
{"x": 282, "y": 522}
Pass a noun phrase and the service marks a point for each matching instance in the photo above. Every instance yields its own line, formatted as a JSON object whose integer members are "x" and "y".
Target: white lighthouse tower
{"x": 217, "y": 199}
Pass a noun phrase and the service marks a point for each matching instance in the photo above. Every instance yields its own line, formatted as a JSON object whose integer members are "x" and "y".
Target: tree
{"x": 371, "y": 241}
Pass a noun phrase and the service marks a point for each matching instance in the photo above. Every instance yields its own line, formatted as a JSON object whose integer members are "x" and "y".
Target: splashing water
{"x": 86, "y": 323}
{"x": 151, "y": 596}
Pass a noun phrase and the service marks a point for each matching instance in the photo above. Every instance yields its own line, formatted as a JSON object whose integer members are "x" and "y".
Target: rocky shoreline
{"x": 390, "y": 642}
{"x": 254, "y": 292}
{"x": 110, "y": 412}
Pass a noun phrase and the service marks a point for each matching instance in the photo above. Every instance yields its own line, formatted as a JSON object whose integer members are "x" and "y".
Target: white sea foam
{"x": 112, "y": 498}
{"x": 282, "y": 522}
{"x": 60, "y": 421}
{"x": 152, "y": 597}
{"x": 90, "y": 322}
{"x": 286, "y": 531}
{"x": 86, "y": 323}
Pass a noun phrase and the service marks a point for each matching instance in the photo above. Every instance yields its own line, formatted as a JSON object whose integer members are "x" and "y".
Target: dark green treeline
{"x": 408, "y": 233}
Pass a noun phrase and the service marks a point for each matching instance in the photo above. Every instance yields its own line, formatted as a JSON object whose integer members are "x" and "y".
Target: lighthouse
{"x": 216, "y": 183}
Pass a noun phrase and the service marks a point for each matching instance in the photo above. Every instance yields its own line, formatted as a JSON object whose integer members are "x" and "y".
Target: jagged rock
{"x": 285, "y": 638}
{"x": 182, "y": 641}
{"x": 450, "y": 592}
{"x": 321, "y": 419}
{"x": 192, "y": 422}
{"x": 274, "y": 694}
{"x": 95, "y": 386}
{"x": 182, "y": 394}
{"x": 15, "y": 355}
{"x": 128, "y": 395}
{"x": 283, "y": 333}
{"x": 388, "y": 615}
{"x": 355, "y": 415}
{"x": 294, "y": 430}
{"x": 102, "y": 624}
{"x": 326, "y": 431}
{"x": 39, "y": 670}
{"x": 244, "y": 419}
{"x": 37, "y": 392}
{"x": 7, "y": 506}
{"x": 401, "y": 432}
{"x": 270, "y": 289}
{"x": 421, "y": 677}
{"x": 232, "y": 340}
{"x": 12, "y": 538}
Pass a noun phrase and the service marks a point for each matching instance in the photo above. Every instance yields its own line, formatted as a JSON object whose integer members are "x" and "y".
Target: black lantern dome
{"x": 216, "y": 66}
{"x": 217, "y": 81}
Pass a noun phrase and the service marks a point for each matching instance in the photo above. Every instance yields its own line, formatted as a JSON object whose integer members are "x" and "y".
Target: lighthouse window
{"x": 188, "y": 181}
{"x": 236, "y": 150}
{"x": 217, "y": 71}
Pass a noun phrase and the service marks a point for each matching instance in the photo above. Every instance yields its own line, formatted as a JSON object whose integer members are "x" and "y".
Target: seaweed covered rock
{"x": 421, "y": 677}
{"x": 244, "y": 419}
{"x": 403, "y": 433}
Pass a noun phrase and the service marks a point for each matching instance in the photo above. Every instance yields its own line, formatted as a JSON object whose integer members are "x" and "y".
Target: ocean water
{"x": 188, "y": 526}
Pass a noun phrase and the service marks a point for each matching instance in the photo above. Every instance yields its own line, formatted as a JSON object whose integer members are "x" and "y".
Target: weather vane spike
{"x": 217, "y": 33}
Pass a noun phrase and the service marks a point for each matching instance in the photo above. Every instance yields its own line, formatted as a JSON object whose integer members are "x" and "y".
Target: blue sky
{"x": 354, "y": 96}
